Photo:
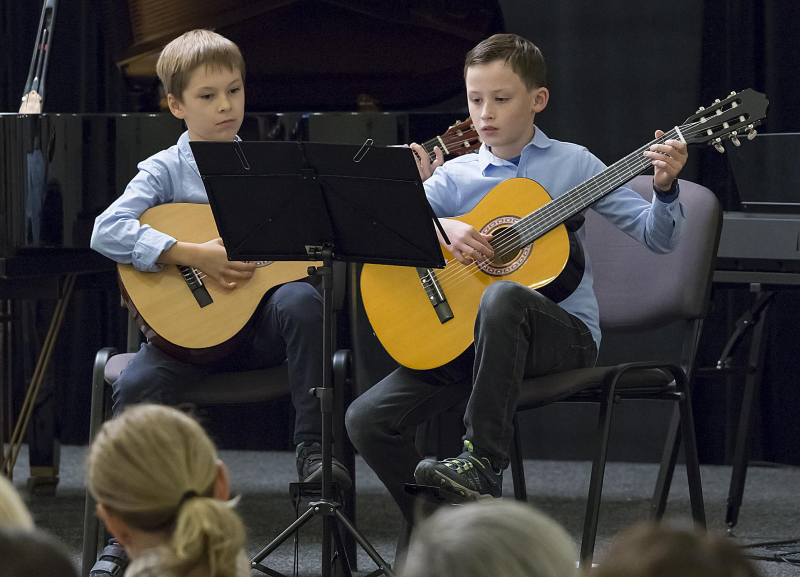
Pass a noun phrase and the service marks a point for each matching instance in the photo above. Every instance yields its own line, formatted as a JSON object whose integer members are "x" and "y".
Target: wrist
{"x": 668, "y": 195}
{"x": 180, "y": 253}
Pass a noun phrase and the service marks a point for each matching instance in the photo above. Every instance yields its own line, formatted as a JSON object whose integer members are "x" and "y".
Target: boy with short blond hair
{"x": 203, "y": 76}
{"x": 519, "y": 333}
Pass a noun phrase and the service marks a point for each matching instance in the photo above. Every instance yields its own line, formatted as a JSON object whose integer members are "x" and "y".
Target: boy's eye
{"x": 501, "y": 99}
{"x": 205, "y": 96}
{"x": 476, "y": 100}
{"x": 237, "y": 89}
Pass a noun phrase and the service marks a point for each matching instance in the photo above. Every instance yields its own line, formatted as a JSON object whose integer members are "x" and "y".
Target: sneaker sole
{"x": 459, "y": 490}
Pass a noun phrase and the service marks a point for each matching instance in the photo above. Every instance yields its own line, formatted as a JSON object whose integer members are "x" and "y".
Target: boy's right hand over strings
{"x": 210, "y": 258}
{"x": 466, "y": 243}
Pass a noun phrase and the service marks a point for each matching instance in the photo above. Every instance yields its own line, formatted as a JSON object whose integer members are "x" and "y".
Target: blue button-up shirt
{"x": 460, "y": 184}
{"x": 168, "y": 176}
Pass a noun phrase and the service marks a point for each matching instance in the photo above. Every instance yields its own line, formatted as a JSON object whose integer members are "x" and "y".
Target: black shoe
{"x": 112, "y": 562}
{"x": 468, "y": 476}
{"x": 309, "y": 466}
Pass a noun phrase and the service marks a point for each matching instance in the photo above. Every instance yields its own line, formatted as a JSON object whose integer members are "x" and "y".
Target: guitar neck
{"x": 577, "y": 199}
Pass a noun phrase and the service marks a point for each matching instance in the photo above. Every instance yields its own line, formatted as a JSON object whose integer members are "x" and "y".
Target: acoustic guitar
{"x": 182, "y": 314}
{"x": 425, "y": 317}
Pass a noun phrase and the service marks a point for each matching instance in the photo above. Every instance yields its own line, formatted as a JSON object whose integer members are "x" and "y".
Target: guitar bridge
{"x": 196, "y": 285}
{"x": 435, "y": 294}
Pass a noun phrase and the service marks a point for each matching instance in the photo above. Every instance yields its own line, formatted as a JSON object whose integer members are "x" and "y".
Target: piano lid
{"x": 315, "y": 55}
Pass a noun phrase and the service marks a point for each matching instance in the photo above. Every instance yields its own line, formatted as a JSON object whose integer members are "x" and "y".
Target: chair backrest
{"x": 638, "y": 289}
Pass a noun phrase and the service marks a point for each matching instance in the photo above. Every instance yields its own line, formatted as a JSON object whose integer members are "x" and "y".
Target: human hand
{"x": 466, "y": 243}
{"x": 668, "y": 160}
{"x": 211, "y": 259}
{"x": 422, "y": 158}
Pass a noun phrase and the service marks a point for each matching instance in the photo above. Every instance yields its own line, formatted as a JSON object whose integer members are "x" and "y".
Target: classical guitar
{"x": 425, "y": 317}
{"x": 186, "y": 317}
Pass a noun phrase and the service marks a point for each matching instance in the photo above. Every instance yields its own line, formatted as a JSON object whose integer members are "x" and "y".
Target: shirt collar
{"x": 485, "y": 157}
{"x": 186, "y": 150}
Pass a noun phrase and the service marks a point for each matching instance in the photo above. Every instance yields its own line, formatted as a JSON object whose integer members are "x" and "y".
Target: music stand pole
{"x": 327, "y": 506}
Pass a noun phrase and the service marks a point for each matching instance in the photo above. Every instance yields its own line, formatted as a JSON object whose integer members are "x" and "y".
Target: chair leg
{"x": 692, "y": 459}
{"x": 517, "y": 467}
{"x": 667, "y": 469}
{"x": 91, "y": 524}
{"x": 343, "y": 448}
{"x": 596, "y": 482}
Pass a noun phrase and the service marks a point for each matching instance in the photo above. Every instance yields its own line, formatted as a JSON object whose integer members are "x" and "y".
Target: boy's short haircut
{"x": 193, "y": 49}
{"x": 523, "y": 56}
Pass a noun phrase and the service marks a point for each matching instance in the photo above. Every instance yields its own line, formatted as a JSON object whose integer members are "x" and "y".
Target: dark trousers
{"x": 518, "y": 334}
{"x": 290, "y": 327}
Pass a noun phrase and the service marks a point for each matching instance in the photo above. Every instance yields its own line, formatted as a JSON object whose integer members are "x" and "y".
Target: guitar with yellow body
{"x": 425, "y": 318}
{"x": 186, "y": 317}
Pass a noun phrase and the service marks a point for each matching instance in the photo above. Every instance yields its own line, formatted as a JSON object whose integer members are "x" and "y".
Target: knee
{"x": 298, "y": 302}
{"x": 505, "y": 296}
{"x": 362, "y": 425}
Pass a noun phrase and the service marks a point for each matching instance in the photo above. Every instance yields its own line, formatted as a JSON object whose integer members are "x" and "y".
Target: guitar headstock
{"x": 460, "y": 138}
{"x": 736, "y": 115}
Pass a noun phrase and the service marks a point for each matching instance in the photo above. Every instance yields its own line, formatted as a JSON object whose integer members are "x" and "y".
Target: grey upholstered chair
{"x": 638, "y": 292}
{"x": 224, "y": 389}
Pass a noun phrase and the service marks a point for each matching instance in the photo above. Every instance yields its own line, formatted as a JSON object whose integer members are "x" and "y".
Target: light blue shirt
{"x": 460, "y": 184}
{"x": 168, "y": 176}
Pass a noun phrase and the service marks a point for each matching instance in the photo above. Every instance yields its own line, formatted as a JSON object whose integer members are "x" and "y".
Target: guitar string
{"x": 627, "y": 165}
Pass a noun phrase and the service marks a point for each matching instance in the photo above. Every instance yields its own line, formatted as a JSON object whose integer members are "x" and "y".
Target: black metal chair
{"x": 639, "y": 291}
{"x": 231, "y": 388}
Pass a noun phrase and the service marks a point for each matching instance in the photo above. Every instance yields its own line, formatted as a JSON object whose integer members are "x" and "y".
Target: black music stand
{"x": 310, "y": 201}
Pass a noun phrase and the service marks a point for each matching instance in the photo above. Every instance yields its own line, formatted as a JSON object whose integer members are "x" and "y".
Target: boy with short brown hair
{"x": 519, "y": 333}
{"x": 203, "y": 75}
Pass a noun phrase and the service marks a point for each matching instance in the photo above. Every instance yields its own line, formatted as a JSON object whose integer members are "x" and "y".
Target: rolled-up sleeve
{"x": 117, "y": 232}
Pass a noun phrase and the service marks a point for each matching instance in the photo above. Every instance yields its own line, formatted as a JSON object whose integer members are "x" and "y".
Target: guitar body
{"x": 400, "y": 311}
{"x": 165, "y": 307}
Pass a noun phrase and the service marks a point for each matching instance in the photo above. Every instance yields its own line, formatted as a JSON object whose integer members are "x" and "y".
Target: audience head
{"x": 13, "y": 513}
{"x": 649, "y": 550}
{"x": 32, "y": 553}
{"x": 156, "y": 478}
{"x": 500, "y": 537}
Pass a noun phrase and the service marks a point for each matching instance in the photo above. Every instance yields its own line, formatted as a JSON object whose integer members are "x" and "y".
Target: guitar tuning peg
{"x": 701, "y": 109}
{"x": 733, "y": 93}
{"x": 751, "y": 135}
{"x": 719, "y": 147}
{"x": 735, "y": 140}
{"x": 717, "y": 101}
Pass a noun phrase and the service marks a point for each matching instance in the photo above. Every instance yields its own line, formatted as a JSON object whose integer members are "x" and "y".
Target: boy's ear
{"x": 175, "y": 106}
{"x": 541, "y": 97}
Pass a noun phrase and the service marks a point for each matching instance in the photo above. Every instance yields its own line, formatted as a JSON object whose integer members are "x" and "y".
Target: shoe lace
{"x": 459, "y": 464}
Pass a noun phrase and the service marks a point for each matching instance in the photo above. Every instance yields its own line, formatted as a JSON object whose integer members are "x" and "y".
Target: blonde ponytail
{"x": 155, "y": 467}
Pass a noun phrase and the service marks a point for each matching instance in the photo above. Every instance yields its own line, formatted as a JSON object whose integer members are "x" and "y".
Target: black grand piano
{"x": 61, "y": 169}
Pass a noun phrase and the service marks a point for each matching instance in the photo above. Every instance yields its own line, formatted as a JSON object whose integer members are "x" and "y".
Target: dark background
{"x": 617, "y": 70}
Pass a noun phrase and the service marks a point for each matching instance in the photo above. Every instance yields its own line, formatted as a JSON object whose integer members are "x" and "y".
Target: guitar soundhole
{"x": 505, "y": 243}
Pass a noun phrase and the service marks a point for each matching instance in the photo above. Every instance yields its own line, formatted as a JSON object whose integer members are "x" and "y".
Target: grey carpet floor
{"x": 771, "y": 508}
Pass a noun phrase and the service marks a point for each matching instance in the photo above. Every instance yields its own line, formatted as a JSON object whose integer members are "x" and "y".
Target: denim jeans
{"x": 518, "y": 334}
{"x": 289, "y": 327}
